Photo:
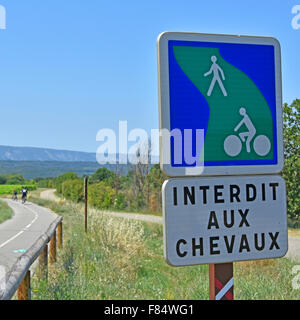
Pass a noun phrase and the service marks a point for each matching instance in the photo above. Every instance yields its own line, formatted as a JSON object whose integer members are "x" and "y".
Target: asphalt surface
{"x": 134, "y": 216}
{"x": 49, "y": 195}
{"x": 294, "y": 249}
{"x": 20, "y": 232}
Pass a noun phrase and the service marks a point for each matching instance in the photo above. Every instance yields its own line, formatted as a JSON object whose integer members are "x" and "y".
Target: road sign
{"x": 223, "y": 219}
{"x": 220, "y": 104}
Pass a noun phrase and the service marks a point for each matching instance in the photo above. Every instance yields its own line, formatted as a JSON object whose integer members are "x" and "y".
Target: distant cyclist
{"x": 24, "y": 194}
{"x": 15, "y": 194}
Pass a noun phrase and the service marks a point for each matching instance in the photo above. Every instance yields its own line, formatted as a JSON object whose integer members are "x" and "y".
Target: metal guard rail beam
{"x": 17, "y": 273}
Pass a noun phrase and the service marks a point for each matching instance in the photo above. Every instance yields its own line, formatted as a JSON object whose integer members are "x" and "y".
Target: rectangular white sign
{"x": 224, "y": 219}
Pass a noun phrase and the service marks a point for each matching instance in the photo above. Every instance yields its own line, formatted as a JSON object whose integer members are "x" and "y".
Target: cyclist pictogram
{"x": 233, "y": 144}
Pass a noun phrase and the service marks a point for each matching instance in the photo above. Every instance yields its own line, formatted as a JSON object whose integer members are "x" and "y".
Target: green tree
{"x": 64, "y": 177}
{"x": 73, "y": 189}
{"x": 101, "y": 195}
{"x": 2, "y": 179}
{"x": 291, "y": 138}
{"x": 44, "y": 182}
{"x": 120, "y": 202}
{"x": 15, "y": 179}
{"x": 156, "y": 178}
{"x": 102, "y": 174}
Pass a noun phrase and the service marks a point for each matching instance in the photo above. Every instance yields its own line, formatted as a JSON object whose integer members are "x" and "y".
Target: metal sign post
{"x": 221, "y": 281}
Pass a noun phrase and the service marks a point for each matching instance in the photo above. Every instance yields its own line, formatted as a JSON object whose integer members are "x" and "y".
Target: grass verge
{"x": 123, "y": 259}
{"x": 5, "y": 212}
{"x": 294, "y": 232}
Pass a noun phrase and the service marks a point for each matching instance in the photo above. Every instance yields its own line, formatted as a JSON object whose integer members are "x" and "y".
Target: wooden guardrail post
{"x": 52, "y": 253}
{"x": 59, "y": 235}
{"x": 24, "y": 291}
{"x": 43, "y": 264}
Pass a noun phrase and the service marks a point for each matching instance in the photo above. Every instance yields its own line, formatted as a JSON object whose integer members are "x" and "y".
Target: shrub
{"x": 102, "y": 174}
{"x": 73, "y": 190}
{"x": 64, "y": 177}
{"x": 291, "y": 136}
{"x": 8, "y": 189}
{"x": 120, "y": 201}
{"x": 101, "y": 195}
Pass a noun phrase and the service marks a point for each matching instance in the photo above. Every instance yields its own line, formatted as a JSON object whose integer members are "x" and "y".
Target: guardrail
{"x": 18, "y": 278}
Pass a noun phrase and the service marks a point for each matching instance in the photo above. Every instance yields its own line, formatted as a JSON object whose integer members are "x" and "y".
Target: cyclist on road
{"x": 24, "y": 194}
{"x": 15, "y": 194}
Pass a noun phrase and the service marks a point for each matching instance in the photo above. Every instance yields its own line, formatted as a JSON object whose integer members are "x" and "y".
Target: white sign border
{"x": 164, "y": 105}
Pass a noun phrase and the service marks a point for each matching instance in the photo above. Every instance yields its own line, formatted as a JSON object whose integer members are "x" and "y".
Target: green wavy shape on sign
{"x": 224, "y": 110}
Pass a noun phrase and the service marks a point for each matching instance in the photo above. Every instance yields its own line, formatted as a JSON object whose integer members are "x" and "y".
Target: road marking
{"x": 24, "y": 229}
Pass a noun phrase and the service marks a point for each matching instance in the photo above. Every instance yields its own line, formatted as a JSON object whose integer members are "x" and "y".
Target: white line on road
{"x": 24, "y": 229}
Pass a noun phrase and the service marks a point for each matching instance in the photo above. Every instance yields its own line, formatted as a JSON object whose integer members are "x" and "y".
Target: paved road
{"x": 294, "y": 249}
{"x": 49, "y": 195}
{"x": 28, "y": 223}
{"x": 135, "y": 216}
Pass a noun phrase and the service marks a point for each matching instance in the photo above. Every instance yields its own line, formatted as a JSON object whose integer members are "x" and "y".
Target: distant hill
{"x": 42, "y": 154}
{"x": 43, "y": 163}
{"x": 46, "y": 169}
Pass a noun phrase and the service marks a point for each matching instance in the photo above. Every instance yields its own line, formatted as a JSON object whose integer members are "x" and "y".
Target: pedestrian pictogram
{"x": 216, "y": 69}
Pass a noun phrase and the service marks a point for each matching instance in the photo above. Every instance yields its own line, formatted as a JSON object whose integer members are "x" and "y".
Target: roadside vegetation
{"x": 123, "y": 259}
{"x": 10, "y": 182}
{"x": 291, "y": 172}
{"x": 137, "y": 191}
{"x": 14, "y": 179}
{"x": 5, "y": 212}
{"x": 8, "y": 189}
{"x": 294, "y": 232}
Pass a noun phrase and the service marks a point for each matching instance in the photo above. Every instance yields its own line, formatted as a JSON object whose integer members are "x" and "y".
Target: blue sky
{"x": 70, "y": 68}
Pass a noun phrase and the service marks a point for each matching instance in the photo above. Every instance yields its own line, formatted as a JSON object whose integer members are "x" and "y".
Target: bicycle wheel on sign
{"x": 262, "y": 145}
{"x": 232, "y": 145}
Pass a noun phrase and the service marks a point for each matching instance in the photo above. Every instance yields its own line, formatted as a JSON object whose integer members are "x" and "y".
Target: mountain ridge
{"x": 44, "y": 154}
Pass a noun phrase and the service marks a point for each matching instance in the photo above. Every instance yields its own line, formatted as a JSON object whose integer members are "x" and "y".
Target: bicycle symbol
{"x": 233, "y": 144}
